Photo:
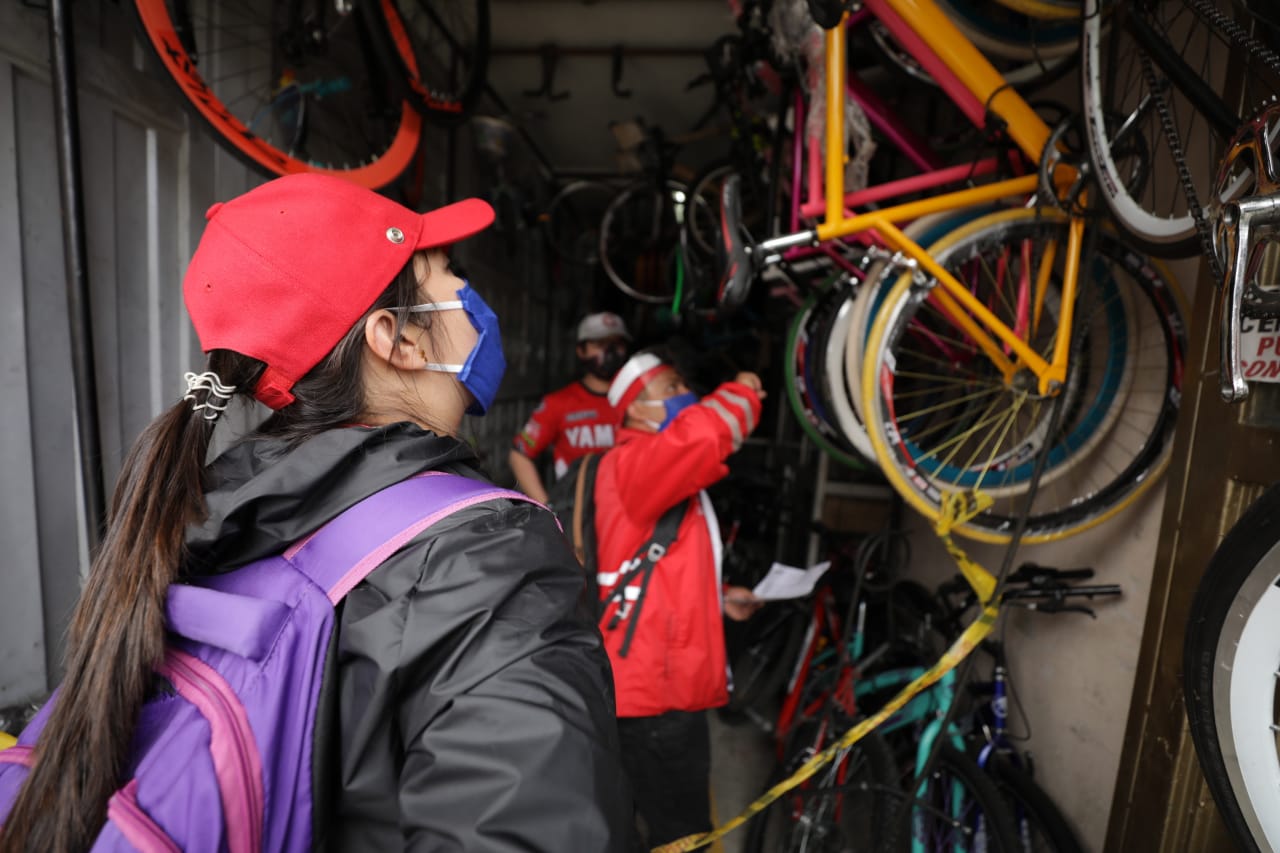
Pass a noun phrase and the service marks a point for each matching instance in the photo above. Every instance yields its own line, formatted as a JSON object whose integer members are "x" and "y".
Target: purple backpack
{"x": 225, "y": 762}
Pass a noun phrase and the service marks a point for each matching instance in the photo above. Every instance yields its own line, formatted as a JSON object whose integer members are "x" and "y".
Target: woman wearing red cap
{"x": 472, "y": 705}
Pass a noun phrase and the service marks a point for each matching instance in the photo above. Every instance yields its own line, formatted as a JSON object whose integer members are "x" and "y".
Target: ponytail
{"x": 117, "y": 632}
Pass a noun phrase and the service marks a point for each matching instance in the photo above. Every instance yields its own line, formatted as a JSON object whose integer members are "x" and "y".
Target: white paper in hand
{"x": 785, "y": 581}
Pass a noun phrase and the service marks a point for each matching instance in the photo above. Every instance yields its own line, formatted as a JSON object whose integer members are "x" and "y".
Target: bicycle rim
{"x": 846, "y": 806}
{"x": 301, "y": 96}
{"x": 1038, "y": 821}
{"x": 572, "y": 220}
{"x": 879, "y": 279}
{"x": 442, "y": 47}
{"x": 957, "y": 808}
{"x": 639, "y": 239}
{"x": 942, "y": 419}
{"x": 1023, "y": 74}
{"x": 1144, "y": 160}
{"x": 1229, "y": 662}
{"x": 1052, "y": 10}
{"x": 802, "y": 391}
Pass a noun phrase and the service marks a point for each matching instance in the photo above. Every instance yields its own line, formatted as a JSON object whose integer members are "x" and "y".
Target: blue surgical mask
{"x": 672, "y": 406}
{"x": 481, "y": 374}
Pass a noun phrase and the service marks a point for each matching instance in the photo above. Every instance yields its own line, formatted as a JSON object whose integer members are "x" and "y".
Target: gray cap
{"x": 606, "y": 324}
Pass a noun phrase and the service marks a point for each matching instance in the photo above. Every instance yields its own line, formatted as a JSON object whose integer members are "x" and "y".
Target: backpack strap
{"x": 579, "y": 492}
{"x": 642, "y": 566}
{"x": 343, "y": 552}
{"x": 336, "y": 557}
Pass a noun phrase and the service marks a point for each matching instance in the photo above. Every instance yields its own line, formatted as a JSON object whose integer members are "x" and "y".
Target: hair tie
{"x": 217, "y": 398}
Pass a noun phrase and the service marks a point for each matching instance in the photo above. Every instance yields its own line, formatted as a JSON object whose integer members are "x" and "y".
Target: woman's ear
{"x": 402, "y": 351}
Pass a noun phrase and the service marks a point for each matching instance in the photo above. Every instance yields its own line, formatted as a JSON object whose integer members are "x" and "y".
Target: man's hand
{"x": 752, "y": 381}
{"x": 741, "y": 603}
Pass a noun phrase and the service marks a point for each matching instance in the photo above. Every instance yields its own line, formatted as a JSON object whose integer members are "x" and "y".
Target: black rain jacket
{"x": 474, "y": 705}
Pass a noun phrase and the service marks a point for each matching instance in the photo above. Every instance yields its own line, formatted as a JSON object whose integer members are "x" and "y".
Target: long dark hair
{"x": 117, "y": 631}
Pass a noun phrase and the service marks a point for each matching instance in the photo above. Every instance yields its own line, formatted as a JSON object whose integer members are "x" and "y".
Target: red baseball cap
{"x": 284, "y": 271}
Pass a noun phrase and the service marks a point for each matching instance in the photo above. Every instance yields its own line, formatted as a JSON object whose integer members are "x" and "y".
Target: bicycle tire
{"x": 879, "y": 279}
{"x": 983, "y": 810}
{"x": 1227, "y": 695}
{"x": 1040, "y": 825}
{"x": 762, "y": 668}
{"x": 702, "y": 217}
{"x": 1025, "y": 75}
{"x": 815, "y": 820}
{"x": 1171, "y": 44}
{"x": 572, "y": 220}
{"x": 639, "y": 239}
{"x": 1046, "y": 9}
{"x": 1139, "y": 335}
{"x": 322, "y": 101}
{"x": 842, "y": 385}
{"x": 1006, "y": 34}
{"x": 802, "y": 393}
{"x": 441, "y": 48}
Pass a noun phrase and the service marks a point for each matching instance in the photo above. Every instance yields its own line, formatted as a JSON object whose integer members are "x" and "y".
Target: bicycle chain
{"x": 1208, "y": 11}
{"x": 1184, "y": 173}
{"x": 1223, "y": 22}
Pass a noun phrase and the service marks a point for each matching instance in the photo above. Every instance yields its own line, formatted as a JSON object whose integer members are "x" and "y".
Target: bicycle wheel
{"x": 572, "y": 220}
{"x": 762, "y": 668}
{"x": 846, "y": 806}
{"x": 287, "y": 87}
{"x": 801, "y": 379}
{"x": 640, "y": 240}
{"x": 942, "y": 418}
{"x": 1152, "y": 110}
{"x": 879, "y": 279}
{"x": 1229, "y": 669}
{"x": 1040, "y": 826}
{"x": 956, "y": 808}
{"x": 442, "y": 50}
{"x": 1039, "y": 62}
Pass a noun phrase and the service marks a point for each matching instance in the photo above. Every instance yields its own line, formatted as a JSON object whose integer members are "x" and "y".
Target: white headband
{"x": 637, "y": 366}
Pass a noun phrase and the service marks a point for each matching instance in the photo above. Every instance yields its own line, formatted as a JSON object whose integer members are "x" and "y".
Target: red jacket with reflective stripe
{"x": 676, "y": 661}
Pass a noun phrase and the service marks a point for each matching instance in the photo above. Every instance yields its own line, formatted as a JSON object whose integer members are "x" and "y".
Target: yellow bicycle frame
{"x": 1026, "y": 129}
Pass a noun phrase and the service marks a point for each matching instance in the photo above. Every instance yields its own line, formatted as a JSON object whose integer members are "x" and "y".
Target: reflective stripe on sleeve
{"x": 748, "y": 414}
{"x": 734, "y": 426}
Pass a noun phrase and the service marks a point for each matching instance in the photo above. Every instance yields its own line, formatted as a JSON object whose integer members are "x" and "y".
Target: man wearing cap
{"x": 662, "y": 594}
{"x": 577, "y": 419}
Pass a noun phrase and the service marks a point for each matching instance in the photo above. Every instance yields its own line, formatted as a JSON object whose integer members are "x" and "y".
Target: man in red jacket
{"x": 576, "y": 419}
{"x": 662, "y": 592}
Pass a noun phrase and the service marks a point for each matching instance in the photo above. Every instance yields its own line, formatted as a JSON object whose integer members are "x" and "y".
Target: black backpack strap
{"x": 645, "y": 560}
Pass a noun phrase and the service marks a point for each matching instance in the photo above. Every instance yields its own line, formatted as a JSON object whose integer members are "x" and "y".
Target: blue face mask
{"x": 481, "y": 374}
{"x": 672, "y": 406}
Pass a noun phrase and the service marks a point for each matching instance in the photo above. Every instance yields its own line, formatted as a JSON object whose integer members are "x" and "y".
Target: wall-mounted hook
{"x": 550, "y": 58}
{"x": 617, "y": 73}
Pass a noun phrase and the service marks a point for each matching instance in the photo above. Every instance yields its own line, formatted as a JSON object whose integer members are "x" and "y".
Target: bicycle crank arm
{"x": 1241, "y": 220}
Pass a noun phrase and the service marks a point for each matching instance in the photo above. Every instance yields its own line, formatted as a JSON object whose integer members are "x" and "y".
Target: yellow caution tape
{"x": 960, "y": 649}
{"x": 957, "y": 508}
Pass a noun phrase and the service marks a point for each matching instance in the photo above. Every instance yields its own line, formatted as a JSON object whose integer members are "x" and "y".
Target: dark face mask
{"x": 607, "y": 363}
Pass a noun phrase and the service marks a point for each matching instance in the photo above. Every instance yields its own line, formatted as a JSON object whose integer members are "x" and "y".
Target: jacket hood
{"x": 264, "y": 494}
